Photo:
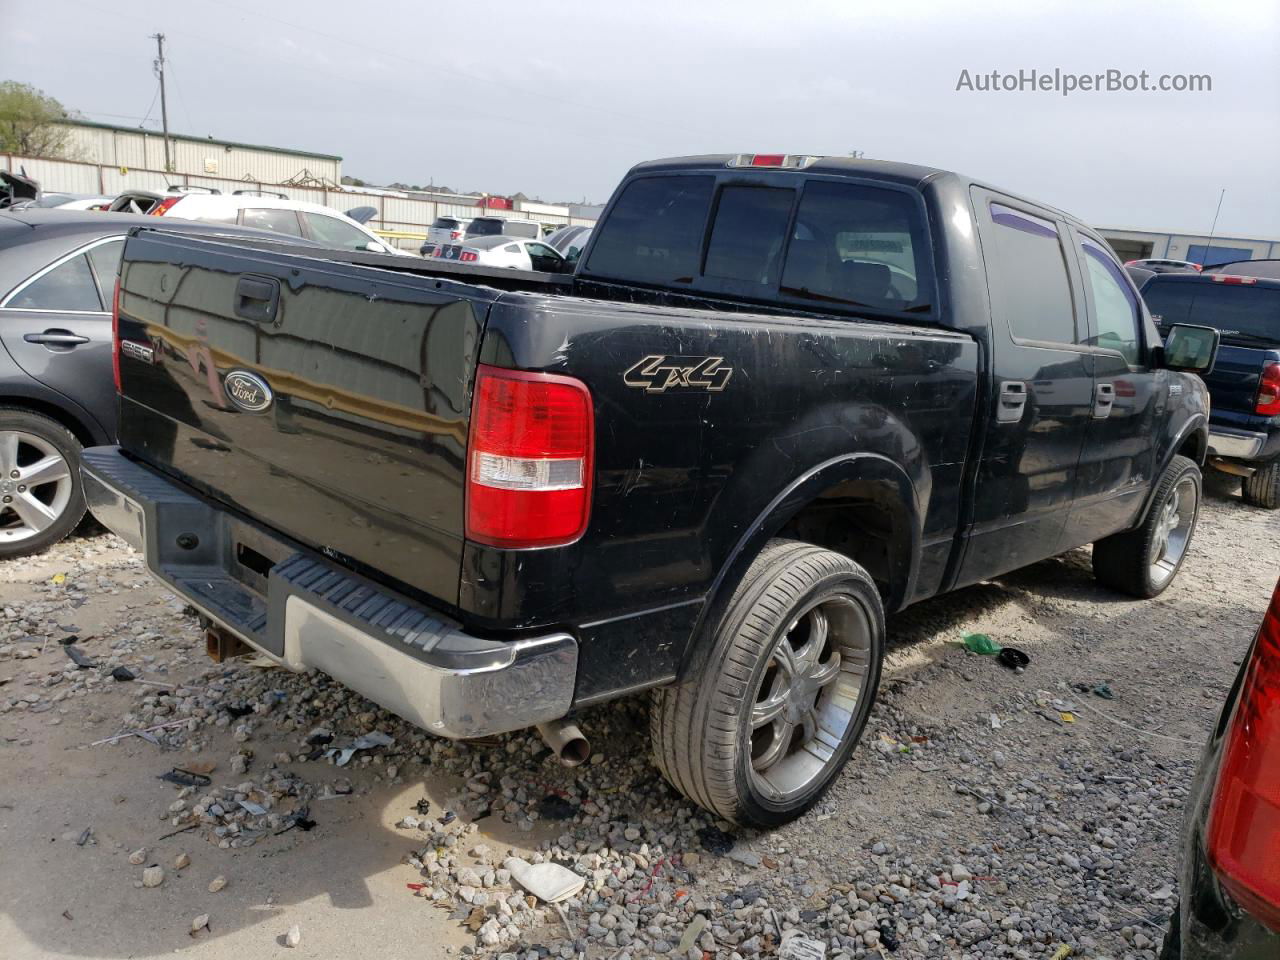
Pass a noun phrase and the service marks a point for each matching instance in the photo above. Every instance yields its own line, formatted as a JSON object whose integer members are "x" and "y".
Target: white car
{"x": 263, "y": 211}
{"x": 446, "y": 230}
{"x": 516, "y": 253}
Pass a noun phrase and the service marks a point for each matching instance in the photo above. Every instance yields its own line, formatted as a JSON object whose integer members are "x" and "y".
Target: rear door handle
{"x": 1013, "y": 400}
{"x": 56, "y": 338}
{"x": 1104, "y": 395}
{"x": 257, "y": 298}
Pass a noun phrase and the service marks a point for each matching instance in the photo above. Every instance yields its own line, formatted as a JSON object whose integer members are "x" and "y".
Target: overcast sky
{"x": 558, "y": 99}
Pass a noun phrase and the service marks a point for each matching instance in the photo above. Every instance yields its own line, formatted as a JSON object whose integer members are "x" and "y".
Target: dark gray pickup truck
{"x": 780, "y": 397}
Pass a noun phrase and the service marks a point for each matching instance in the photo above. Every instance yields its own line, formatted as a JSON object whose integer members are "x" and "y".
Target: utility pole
{"x": 164, "y": 107}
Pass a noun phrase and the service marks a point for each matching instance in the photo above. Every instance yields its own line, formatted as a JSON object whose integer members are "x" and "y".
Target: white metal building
{"x": 135, "y": 148}
{"x": 1196, "y": 247}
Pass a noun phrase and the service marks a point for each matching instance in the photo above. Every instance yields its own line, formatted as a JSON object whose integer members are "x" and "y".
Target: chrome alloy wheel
{"x": 1173, "y": 530}
{"x": 808, "y": 695}
{"x": 35, "y": 485}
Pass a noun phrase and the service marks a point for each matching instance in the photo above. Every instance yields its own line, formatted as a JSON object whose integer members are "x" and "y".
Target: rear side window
{"x": 746, "y": 238}
{"x": 1027, "y": 277}
{"x": 273, "y": 219}
{"x": 105, "y": 259}
{"x": 1245, "y": 313}
{"x": 1115, "y": 306}
{"x": 654, "y": 231}
{"x": 530, "y": 231}
{"x": 859, "y": 245}
{"x": 68, "y": 286}
{"x": 335, "y": 233}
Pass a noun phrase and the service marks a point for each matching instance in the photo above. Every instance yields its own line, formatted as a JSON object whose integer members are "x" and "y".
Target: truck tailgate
{"x": 321, "y": 398}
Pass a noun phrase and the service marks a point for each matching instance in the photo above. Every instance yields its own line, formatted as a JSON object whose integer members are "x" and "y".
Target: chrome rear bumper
{"x": 1240, "y": 444}
{"x": 306, "y": 612}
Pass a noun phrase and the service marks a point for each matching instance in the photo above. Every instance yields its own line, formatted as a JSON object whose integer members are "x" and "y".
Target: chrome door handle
{"x": 1104, "y": 395}
{"x": 56, "y": 338}
{"x": 1013, "y": 400}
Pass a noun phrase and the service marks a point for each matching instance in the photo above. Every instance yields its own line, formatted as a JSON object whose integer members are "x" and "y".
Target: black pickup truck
{"x": 780, "y": 397}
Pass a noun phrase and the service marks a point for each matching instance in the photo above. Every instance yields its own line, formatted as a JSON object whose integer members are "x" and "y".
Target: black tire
{"x": 1123, "y": 561}
{"x": 701, "y": 726}
{"x": 60, "y": 439}
{"x": 1263, "y": 488}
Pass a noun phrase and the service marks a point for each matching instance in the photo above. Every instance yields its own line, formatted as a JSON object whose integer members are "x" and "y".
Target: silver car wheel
{"x": 1173, "y": 530}
{"x": 807, "y": 696}
{"x": 35, "y": 485}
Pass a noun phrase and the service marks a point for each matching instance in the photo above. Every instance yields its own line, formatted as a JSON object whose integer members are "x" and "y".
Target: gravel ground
{"x": 986, "y": 814}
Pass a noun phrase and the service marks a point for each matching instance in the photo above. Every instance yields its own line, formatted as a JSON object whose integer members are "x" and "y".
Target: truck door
{"x": 1041, "y": 389}
{"x": 1119, "y": 450}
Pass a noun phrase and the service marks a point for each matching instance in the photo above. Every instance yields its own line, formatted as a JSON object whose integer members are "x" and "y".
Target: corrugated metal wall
{"x": 407, "y": 215}
{"x": 145, "y": 149}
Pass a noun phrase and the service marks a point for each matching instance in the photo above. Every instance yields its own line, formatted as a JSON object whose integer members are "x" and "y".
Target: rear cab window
{"x": 811, "y": 241}
{"x": 1247, "y": 314}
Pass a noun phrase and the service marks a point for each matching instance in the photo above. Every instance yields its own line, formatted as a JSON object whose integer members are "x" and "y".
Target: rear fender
{"x": 866, "y": 476}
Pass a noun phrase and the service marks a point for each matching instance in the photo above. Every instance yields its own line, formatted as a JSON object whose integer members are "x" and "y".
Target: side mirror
{"x": 373, "y": 247}
{"x": 1191, "y": 348}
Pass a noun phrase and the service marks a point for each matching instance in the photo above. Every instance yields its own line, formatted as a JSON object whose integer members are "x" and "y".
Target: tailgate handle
{"x": 257, "y": 298}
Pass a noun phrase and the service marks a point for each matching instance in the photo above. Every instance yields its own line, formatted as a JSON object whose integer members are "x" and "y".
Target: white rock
{"x": 293, "y": 937}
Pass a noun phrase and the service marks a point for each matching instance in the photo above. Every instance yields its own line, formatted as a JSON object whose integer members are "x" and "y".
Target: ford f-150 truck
{"x": 780, "y": 397}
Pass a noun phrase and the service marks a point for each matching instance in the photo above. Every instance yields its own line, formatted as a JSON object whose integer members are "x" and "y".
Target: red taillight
{"x": 1268, "y": 401}
{"x": 1231, "y": 278}
{"x": 768, "y": 159}
{"x": 163, "y": 207}
{"x": 1243, "y": 835}
{"x": 115, "y": 335}
{"x": 529, "y": 459}
{"x": 468, "y": 256}
{"x": 455, "y": 234}
{"x": 1130, "y": 263}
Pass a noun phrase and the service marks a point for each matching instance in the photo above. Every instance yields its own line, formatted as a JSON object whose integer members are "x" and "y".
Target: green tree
{"x": 29, "y": 122}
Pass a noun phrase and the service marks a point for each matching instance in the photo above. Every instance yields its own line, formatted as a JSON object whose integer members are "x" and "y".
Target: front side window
{"x": 859, "y": 245}
{"x": 654, "y": 232}
{"x": 68, "y": 286}
{"x": 1115, "y": 306}
{"x": 746, "y": 237}
{"x": 1027, "y": 277}
{"x": 335, "y": 233}
{"x": 273, "y": 219}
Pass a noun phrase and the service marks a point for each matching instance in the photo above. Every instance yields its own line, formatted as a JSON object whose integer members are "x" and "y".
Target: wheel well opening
{"x": 1194, "y": 448}
{"x": 30, "y": 405}
{"x": 861, "y": 529}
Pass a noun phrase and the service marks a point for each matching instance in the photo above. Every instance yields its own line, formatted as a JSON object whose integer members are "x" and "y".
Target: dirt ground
{"x": 1168, "y": 661}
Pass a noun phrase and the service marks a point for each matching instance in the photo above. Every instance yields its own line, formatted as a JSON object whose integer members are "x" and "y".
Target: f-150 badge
{"x": 659, "y": 373}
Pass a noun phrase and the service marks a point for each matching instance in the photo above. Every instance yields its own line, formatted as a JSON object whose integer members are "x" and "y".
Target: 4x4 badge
{"x": 659, "y": 373}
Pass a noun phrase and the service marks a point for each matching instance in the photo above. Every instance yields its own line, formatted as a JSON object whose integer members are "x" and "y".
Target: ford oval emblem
{"x": 248, "y": 391}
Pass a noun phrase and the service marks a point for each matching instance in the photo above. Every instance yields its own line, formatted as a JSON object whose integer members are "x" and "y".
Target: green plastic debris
{"x": 1104, "y": 691}
{"x": 982, "y": 644}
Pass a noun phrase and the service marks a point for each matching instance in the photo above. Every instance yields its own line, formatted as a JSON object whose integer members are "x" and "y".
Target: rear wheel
{"x": 774, "y": 705}
{"x": 1262, "y": 489}
{"x": 1143, "y": 562}
{"x": 41, "y": 500}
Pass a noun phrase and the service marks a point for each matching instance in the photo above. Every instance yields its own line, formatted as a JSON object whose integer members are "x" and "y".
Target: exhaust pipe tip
{"x": 566, "y": 741}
